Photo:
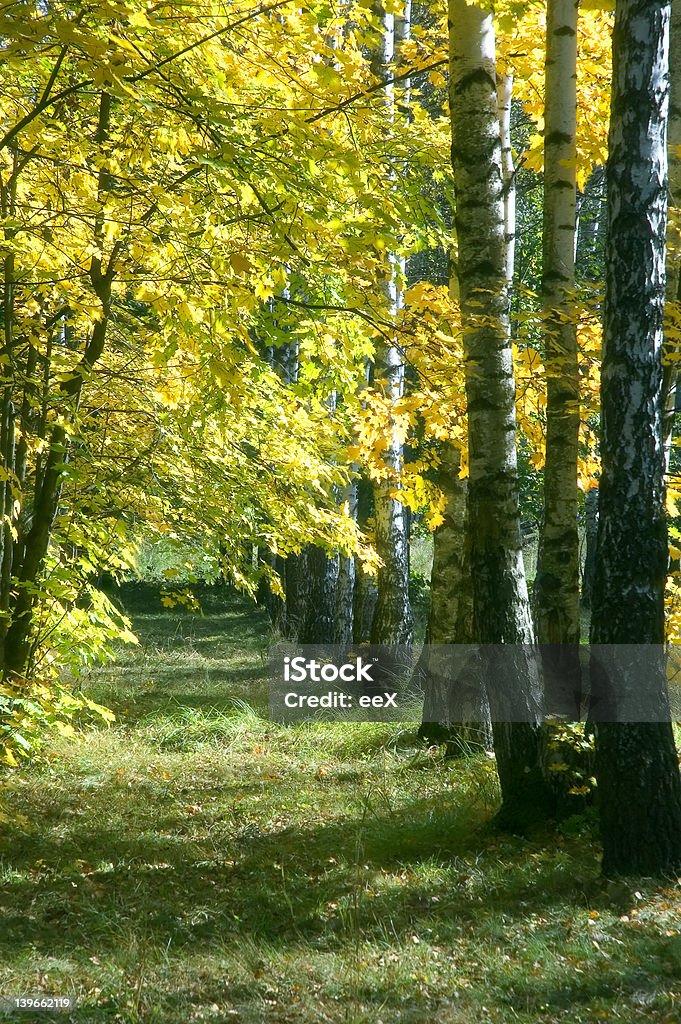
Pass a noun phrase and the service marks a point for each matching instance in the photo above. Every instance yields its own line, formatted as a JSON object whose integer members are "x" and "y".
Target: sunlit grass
{"x": 197, "y": 862}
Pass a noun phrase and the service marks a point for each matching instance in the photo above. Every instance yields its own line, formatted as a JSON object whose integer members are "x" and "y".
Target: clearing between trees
{"x": 196, "y": 862}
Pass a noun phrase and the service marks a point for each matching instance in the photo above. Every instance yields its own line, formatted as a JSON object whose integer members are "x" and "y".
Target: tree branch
{"x": 47, "y": 101}
{"x": 383, "y": 84}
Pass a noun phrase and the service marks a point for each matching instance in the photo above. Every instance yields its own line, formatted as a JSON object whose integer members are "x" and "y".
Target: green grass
{"x": 197, "y": 862}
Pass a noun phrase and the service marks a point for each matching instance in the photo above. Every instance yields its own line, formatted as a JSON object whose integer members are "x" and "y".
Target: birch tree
{"x": 504, "y": 103}
{"x": 674, "y": 147}
{"x": 392, "y": 619}
{"x": 636, "y": 762}
{"x": 449, "y": 616}
{"x": 501, "y": 612}
{"x": 557, "y": 582}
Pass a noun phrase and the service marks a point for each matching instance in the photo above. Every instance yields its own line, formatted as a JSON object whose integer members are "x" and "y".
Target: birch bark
{"x": 392, "y": 618}
{"x": 636, "y": 763}
{"x": 557, "y": 582}
{"x": 501, "y": 611}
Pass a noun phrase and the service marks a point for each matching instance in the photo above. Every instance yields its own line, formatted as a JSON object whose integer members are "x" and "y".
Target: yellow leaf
{"x": 240, "y": 264}
{"x": 138, "y": 19}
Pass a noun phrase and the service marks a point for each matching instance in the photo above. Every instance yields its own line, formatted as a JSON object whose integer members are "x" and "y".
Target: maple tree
{"x": 150, "y": 232}
{"x": 152, "y": 235}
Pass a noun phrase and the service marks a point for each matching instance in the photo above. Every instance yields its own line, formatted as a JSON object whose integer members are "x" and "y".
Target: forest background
{"x": 277, "y": 301}
{"x": 367, "y": 315}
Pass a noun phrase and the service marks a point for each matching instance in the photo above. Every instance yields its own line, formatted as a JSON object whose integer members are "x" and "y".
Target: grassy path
{"x": 197, "y": 863}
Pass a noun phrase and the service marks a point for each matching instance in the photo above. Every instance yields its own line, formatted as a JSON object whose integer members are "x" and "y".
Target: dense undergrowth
{"x": 196, "y": 862}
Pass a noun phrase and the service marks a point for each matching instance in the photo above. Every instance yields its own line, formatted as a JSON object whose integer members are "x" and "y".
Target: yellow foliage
{"x": 521, "y": 50}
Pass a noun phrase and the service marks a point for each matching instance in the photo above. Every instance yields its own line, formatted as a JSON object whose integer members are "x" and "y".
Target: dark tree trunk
{"x": 318, "y": 626}
{"x": 590, "y": 227}
{"x": 297, "y": 593}
{"x": 638, "y": 777}
{"x": 347, "y": 574}
{"x": 364, "y": 606}
{"x": 670, "y": 380}
{"x": 273, "y": 603}
{"x": 640, "y": 802}
{"x": 366, "y": 594}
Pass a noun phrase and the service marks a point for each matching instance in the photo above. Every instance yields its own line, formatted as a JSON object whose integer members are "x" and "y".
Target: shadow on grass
{"x": 122, "y": 868}
{"x": 199, "y": 661}
{"x": 72, "y": 887}
{"x": 134, "y": 707}
{"x": 175, "y": 880}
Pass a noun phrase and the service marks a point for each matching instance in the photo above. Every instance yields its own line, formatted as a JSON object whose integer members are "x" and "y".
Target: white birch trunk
{"x": 556, "y": 592}
{"x": 501, "y": 610}
{"x": 504, "y": 100}
{"x": 450, "y": 622}
{"x": 557, "y": 582}
{"x": 392, "y": 620}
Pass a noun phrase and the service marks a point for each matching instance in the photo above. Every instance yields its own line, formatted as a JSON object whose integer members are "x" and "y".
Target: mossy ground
{"x": 196, "y": 862}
